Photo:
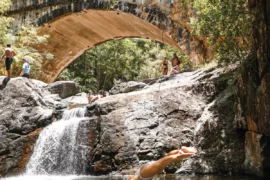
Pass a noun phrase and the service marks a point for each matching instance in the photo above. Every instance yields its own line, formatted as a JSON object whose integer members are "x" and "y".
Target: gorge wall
{"x": 253, "y": 94}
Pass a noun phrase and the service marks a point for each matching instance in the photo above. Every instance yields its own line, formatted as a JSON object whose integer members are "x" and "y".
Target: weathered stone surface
{"x": 80, "y": 98}
{"x": 257, "y": 150}
{"x": 25, "y": 108}
{"x": 64, "y": 88}
{"x": 125, "y": 130}
{"x": 126, "y": 87}
{"x": 1, "y": 82}
{"x": 253, "y": 102}
{"x": 191, "y": 109}
{"x": 221, "y": 144}
{"x": 88, "y": 29}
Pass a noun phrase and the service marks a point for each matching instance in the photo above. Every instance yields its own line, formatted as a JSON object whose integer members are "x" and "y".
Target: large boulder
{"x": 64, "y": 88}
{"x": 3, "y": 82}
{"x": 191, "y": 109}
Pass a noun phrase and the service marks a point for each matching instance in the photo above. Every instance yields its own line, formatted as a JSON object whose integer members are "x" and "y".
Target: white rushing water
{"x": 56, "y": 150}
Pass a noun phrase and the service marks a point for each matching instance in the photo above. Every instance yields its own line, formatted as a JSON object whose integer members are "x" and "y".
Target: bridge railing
{"x": 20, "y": 6}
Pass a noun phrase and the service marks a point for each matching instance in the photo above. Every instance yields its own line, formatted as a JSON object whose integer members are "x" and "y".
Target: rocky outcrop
{"x": 64, "y": 88}
{"x": 26, "y": 107}
{"x": 126, "y": 87}
{"x": 191, "y": 109}
{"x": 128, "y": 129}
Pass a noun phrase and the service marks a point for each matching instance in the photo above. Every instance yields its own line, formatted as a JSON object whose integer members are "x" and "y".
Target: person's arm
{"x": 13, "y": 53}
{"x": 89, "y": 98}
{"x": 94, "y": 98}
{"x": 149, "y": 170}
{"x": 22, "y": 70}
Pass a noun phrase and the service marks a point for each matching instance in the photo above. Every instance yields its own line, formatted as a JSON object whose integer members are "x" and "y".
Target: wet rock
{"x": 91, "y": 106}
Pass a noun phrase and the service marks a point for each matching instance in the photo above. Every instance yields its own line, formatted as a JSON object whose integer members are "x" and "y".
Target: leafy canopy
{"x": 124, "y": 60}
{"x": 4, "y": 21}
{"x": 228, "y": 26}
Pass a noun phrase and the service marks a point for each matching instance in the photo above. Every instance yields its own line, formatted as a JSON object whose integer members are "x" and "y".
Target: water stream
{"x": 56, "y": 150}
{"x": 161, "y": 177}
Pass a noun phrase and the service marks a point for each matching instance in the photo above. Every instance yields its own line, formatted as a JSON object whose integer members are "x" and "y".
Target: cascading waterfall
{"x": 56, "y": 150}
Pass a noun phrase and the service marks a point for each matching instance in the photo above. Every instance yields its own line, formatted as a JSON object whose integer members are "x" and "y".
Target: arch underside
{"x": 73, "y": 34}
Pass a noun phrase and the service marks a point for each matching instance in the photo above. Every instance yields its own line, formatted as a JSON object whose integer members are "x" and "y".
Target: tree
{"x": 121, "y": 60}
{"x": 4, "y": 21}
{"x": 23, "y": 44}
{"x": 227, "y": 25}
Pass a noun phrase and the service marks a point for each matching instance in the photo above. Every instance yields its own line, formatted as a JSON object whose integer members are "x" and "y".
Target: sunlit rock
{"x": 126, "y": 87}
{"x": 189, "y": 109}
{"x": 25, "y": 108}
{"x": 64, "y": 88}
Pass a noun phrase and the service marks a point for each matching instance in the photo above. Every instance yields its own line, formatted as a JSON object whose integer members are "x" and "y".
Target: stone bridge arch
{"x": 170, "y": 16}
{"x": 73, "y": 34}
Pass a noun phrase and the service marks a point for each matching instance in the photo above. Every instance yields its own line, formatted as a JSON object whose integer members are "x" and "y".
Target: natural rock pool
{"x": 161, "y": 177}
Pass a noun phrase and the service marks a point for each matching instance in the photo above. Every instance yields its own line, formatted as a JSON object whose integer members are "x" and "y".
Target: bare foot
{"x": 189, "y": 149}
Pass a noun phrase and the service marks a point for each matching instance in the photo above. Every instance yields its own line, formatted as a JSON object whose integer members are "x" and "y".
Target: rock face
{"x": 253, "y": 95}
{"x": 126, "y": 87}
{"x": 64, "y": 88}
{"x": 190, "y": 109}
{"x": 26, "y": 106}
{"x": 126, "y": 130}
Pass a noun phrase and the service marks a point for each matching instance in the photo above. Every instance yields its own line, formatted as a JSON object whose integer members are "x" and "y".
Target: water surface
{"x": 161, "y": 177}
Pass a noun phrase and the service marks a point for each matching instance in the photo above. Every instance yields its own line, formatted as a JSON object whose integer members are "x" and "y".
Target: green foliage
{"x": 21, "y": 43}
{"x": 26, "y": 38}
{"x": 127, "y": 59}
{"x": 4, "y": 21}
{"x": 228, "y": 26}
{"x": 4, "y": 6}
{"x": 29, "y": 36}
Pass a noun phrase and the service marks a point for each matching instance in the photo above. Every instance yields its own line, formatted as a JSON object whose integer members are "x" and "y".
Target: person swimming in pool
{"x": 149, "y": 170}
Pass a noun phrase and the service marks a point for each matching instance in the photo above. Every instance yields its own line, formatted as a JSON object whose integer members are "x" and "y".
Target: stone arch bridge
{"x": 77, "y": 25}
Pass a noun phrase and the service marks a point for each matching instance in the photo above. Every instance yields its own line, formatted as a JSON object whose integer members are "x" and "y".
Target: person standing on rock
{"x": 9, "y": 53}
{"x": 26, "y": 68}
{"x": 148, "y": 171}
{"x": 164, "y": 66}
